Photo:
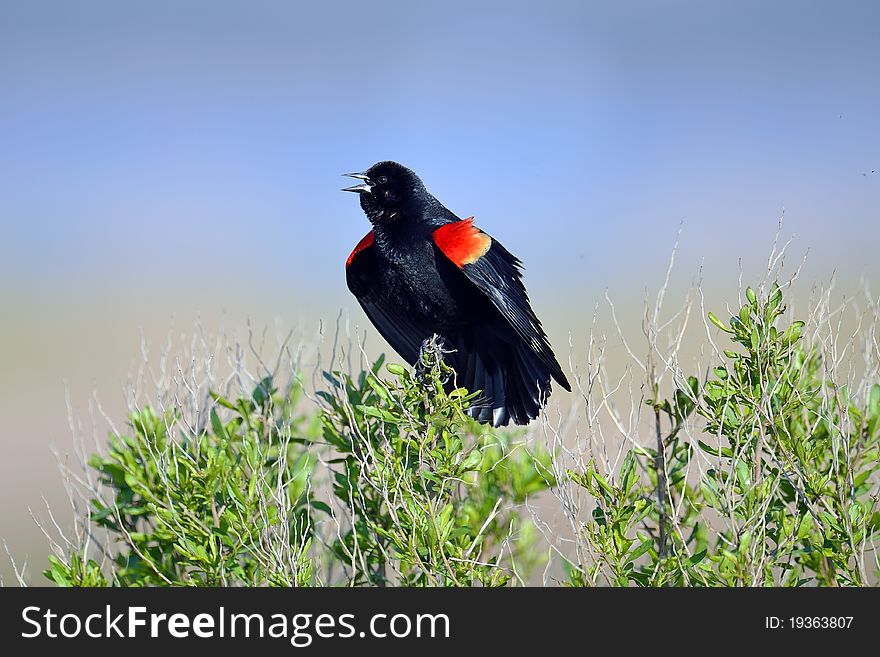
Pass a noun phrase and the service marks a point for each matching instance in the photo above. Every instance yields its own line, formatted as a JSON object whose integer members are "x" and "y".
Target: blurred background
{"x": 162, "y": 162}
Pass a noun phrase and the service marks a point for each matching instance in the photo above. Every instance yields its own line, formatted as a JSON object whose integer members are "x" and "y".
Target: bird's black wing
{"x": 404, "y": 333}
{"x": 498, "y": 274}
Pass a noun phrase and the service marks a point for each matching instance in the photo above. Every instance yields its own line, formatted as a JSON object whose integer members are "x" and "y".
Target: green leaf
{"x": 603, "y": 483}
{"x": 874, "y": 401}
{"x": 263, "y": 391}
{"x": 472, "y": 461}
{"x": 644, "y": 546}
{"x": 374, "y": 411}
{"x": 743, "y": 474}
{"x": 699, "y": 556}
{"x": 217, "y": 425}
{"x": 754, "y": 340}
{"x": 379, "y": 388}
{"x": 628, "y": 474}
{"x": 722, "y": 451}
{"x": 219, "y": 399}
{"x": 804, "y": 526}
{"x": 717, "y": 322}
{"x": 321, "y": 506}
{"x": 775, "y": 297}
{"x": 855, "y": 512}
{"x": 395, "y": 369}
{"x": 793, "y": 333}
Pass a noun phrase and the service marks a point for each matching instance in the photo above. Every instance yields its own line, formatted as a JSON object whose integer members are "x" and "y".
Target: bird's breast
{"x": 414, "y": 280}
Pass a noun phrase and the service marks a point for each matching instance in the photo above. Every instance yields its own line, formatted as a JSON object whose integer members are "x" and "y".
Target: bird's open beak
{"x": 364, "y": 188}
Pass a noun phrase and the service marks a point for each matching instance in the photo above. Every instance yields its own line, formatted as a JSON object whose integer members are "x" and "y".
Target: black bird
{"x": 423, "y": 271}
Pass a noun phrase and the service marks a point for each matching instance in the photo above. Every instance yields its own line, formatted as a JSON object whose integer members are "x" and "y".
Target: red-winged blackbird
{"x": 423, "y": 271}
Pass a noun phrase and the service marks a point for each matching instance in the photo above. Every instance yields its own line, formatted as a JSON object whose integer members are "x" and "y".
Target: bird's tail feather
{"x": 513, "y": 382}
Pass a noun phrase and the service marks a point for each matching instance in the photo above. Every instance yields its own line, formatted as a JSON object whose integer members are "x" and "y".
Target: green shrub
{"x": 760, "y": 471}
{"x": 225, "y": 504}
{"x": 426, "y": 488}
{"x": 790, "y": 493}
{"x": 420, "y": 494}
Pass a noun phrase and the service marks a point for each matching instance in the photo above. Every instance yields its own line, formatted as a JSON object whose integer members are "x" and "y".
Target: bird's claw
{"x": 431, "y": 357}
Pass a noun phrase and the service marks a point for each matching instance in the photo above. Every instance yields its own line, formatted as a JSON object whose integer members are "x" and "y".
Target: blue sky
{"x": 145, "y": 142}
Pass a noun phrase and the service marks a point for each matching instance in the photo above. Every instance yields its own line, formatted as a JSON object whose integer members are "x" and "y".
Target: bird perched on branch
{"x": 422, "y": 271}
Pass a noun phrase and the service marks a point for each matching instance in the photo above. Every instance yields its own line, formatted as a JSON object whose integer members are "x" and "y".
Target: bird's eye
{"x": 382, "y": 180}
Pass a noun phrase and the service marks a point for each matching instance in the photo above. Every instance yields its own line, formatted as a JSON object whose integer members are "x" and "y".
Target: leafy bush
{"x": 420, "y": 494}
{"x": 760, "y": 471}
{"x": 422, "y": 483}
{"x": 790, "y": 484}
{"x": 223, "y": 504}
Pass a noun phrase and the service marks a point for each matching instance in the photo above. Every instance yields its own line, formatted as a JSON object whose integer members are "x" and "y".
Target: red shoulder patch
{"x": 462, "y": 242}
{"x": 365, "y": 243}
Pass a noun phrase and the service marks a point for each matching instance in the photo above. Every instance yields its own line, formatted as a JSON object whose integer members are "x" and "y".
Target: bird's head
{"x": 387, "y": 191}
